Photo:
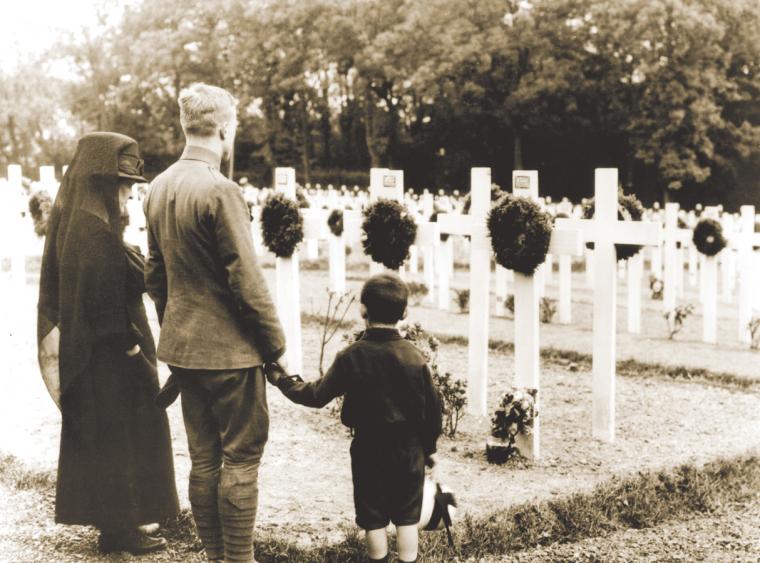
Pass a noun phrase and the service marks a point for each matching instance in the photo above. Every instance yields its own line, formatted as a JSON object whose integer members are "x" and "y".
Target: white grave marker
{"x": 474, "y": 225}
{"x": 527, "y": 319}
{"x": 605, "y": 230}
{"x": 287, "y": 286}
{"x": 709, "y": 289}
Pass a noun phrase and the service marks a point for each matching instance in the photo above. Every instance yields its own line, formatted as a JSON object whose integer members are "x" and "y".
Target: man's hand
{"x": 274, "y": 372}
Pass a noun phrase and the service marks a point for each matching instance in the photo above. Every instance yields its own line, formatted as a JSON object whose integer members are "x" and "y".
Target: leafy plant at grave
{"x": 452, "y": 391}
{"x": 417, "y": 292}
{"x": 335, "y": 222}
{"x": 462, "y": 299}
{"x": 520, "y": 233}
{"x": 509, "y": 303}
{"x": 281, "y": 225}
{"x": 547, "y": 309}
{"x": 514, "y": 415}
{"x": 40, "y": 206}
{"x": 754, "y": 331}
{"x": 629, "y": 209}
{"x": 676, "y": 317}
{"x": 708, "y": 237}
{"x": 656, "y": 287}
{"x": 388, "y": 233}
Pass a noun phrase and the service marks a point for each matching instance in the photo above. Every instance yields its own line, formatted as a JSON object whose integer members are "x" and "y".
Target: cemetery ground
{"x": 656, "y": 494}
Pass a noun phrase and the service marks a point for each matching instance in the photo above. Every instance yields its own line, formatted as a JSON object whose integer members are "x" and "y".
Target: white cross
{"x": 474, "y": 225}
{"x": 709, "y": 289}
{"x": 605, "y": 230}
{"x": 287, "y": 286}
{"x": 744, "y": 245}
{"x": 527, "y": 320}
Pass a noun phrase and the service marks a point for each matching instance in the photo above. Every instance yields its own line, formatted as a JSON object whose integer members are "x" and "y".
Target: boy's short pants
{"x": 389, "y": 477}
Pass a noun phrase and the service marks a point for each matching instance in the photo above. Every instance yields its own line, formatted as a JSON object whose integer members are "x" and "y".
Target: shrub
{"x": 281, "y": 225}
{"x": 547, "y": 309}
{"x": 417, "y": 292}
{"x": 462, "y": 299}
{"x": 389, "y": 232}
{"x": 754, "y": 331}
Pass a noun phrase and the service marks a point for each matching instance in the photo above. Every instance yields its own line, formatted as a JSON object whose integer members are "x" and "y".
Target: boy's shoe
{"x": 134, "y": 541}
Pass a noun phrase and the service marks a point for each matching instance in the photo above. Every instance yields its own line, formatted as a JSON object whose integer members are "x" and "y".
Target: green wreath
{"x": 520, "y": 233}
{"x": 388, "y": 233}
{"x": 708, "y": 237}
{"x": 281, "y": 225}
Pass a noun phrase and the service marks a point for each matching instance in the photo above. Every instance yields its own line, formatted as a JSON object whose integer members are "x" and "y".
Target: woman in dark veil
{"x": 97, "y": 355}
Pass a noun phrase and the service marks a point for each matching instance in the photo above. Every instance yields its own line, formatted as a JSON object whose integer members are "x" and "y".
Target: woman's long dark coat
{"x": 115, "y": 468}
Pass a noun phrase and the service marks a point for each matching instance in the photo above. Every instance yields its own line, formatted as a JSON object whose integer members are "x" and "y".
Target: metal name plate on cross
{"x": 386, "y": 184}
{"x": 605, "y": 231}
{"x": 288, "y": 291}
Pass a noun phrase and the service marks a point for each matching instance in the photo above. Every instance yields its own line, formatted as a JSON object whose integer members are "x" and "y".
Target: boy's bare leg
{"x": 377, "y": 544}
{"x": 407, "y": 538}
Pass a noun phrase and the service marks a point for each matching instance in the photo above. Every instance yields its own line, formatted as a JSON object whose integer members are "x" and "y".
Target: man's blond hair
{"x": 203, "y": 109}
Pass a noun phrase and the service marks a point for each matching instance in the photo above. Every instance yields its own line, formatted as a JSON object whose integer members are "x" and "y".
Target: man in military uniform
{"x": 218, "y": 322}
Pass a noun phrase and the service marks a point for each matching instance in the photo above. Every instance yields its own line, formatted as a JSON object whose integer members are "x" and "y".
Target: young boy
{"x": 394, "y": 410}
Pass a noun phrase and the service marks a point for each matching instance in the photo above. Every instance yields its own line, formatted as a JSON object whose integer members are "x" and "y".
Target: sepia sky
{"x": 29, "y": 27}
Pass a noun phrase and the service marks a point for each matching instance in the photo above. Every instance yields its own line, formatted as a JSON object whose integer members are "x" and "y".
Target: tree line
{"x": 668, "y": 91}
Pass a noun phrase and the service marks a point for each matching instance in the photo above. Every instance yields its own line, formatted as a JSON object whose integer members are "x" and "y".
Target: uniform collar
{"x": 211, "y": 158}
{"x": 374, "y": 333}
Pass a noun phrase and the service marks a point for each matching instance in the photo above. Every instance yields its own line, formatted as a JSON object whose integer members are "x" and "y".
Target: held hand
{"x": 274, "y": 372}
{"x": 132, "y": 352}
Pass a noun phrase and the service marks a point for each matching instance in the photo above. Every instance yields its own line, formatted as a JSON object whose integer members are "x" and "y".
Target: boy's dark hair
{"x": 385, "y": 297}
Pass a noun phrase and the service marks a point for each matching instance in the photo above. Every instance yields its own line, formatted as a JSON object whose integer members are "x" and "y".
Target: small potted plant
{"x": 514, "y": 415}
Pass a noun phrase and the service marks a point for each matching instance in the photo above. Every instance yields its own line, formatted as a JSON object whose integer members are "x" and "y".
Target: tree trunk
{"x": 306, "y": 150}
{"x": 630, "y": 162}
{"x": 370, "y": 127}
{"x": 517, "y": 157}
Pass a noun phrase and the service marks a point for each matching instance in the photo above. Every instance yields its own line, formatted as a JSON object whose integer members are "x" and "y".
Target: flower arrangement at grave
{"x": 520, "y": 233}
{"x": 388, "y": 233}
{"x": 629, "y": 209}
{"x": 303, "y": 202}
{"x": 281, "y": 225}
{"x": 708, "y": 237}
{"x": 676, "y": 317}
{"x": 453, "y": 391}
{"x": 335, "y": 222}
{"x": 514, "y": 415}
{"x": 656, "y": 288}
{"x": 40, "y": 206}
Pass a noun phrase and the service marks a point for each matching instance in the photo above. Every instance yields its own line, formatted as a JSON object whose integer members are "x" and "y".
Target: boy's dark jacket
{"x": 385, "y": 380}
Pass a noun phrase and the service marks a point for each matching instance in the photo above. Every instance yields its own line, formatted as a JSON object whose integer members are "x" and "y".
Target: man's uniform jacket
{"x": 202, "y": 273}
